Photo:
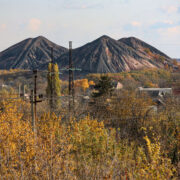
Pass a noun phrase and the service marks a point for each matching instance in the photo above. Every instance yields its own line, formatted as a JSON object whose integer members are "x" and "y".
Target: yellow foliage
{"x": 83, "y": 149}
{"x": 17, "y": 142}
{"x": 91, "y": 83}
{"x": 157, "y": 167}
{"x": 82, "y": 83}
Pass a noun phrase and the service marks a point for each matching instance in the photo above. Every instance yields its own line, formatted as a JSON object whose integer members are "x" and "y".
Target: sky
{"x": 156, "y": 22}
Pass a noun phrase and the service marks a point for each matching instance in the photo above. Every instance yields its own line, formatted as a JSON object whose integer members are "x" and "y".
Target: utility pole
{"x": 32, "y": 110}
{"x": 51, "y": 85}
{"x": 19, "y": 90}
{"x": 34, "y": 101}
{"x": 71, "y": 80}
{"x": 35, "y": 93}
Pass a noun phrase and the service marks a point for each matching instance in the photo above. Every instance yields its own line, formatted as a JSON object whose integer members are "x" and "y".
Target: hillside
{"x": 107, "y": 55}
{"x": 141, "y": 46}
{"x": 103, "y": 55}
{"x": 29, "y": 54}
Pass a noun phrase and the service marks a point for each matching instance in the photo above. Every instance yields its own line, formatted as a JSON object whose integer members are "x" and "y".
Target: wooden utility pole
{"x": 34, "y": 101}
{"x": 32, "y": 110}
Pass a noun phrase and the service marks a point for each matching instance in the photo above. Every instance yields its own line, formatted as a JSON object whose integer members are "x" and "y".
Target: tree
{"x": 104, "y": 86}
{"x": 175, "y": 62}
{"x": 166, "y": 66}
{"x": 82, "y": 83}
{"x": 53, "y": 88}
{"x": 91, "y": 83}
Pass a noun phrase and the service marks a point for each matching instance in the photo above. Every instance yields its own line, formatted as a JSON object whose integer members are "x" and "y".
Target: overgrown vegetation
{"x": 117, "y": 134}
{"x": 120, "y": 138}
{"x": 144, "y": 78}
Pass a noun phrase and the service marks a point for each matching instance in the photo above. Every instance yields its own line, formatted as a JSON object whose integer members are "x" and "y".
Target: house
{"x": 117, "y": 85}
{"x": 4, "y": 86}
{"x": 157, "y": 91}
{"x": 157, "y": 94}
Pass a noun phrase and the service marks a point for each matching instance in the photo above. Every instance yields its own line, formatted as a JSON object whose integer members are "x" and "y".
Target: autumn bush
{"x": 84, "y": 149}
{"x": 134, "y": 79}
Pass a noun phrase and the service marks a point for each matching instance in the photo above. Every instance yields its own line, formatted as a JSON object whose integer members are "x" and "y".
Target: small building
{"x": 3, "y": 86}
{"x": 157, "y": 91}
{"x": 117, "y": 85}
{"x": 157, "y": 94}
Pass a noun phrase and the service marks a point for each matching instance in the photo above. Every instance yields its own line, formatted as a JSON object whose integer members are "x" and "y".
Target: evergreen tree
{"x": 104, "y": 86}
{"x": 53, "y": 88}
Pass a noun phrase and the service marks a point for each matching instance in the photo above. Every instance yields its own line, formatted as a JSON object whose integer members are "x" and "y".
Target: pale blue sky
{"x": 154, "y": 21}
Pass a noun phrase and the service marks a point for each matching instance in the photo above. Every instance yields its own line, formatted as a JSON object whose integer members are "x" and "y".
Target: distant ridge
{"x": 103, "y": 55}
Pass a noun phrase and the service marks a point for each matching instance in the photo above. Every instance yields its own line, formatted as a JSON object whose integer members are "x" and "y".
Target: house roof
{"x": 165, "y": 90}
